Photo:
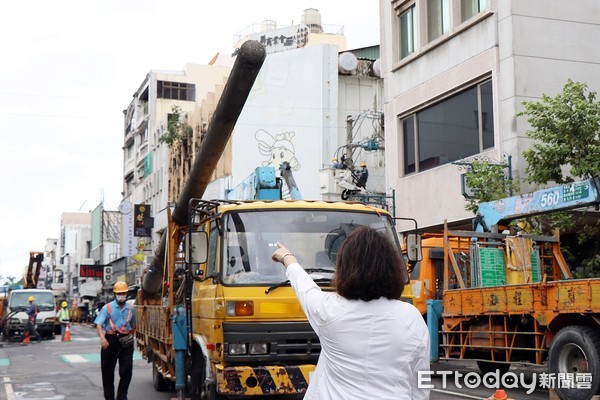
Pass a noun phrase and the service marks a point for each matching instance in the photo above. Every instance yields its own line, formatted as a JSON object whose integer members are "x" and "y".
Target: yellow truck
{"x": 215, "y": 315}
{"x": 243, "y": 330}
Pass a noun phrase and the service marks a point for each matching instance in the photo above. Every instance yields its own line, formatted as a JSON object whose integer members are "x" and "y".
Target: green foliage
{"x": 567, "y": 133}
{"x": 566, "y": 130}
{"x": 178, "y": 130}
{"x": 488, "y": 182}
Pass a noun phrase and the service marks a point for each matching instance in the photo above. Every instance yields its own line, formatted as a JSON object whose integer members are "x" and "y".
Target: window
{"x": 408, "y": 32}
{"x": 470, "y": 8}
{"x": 249, "y": 239}
{"x": 129, "y": 151}
{"x": 175, "y": 91}
{"x": 438, "y": 18}
{"x": 211, "y": 263}
{"x": 455, "y": 128}
{"x": 128, "y": 184}
{"x": 144, "y": 136}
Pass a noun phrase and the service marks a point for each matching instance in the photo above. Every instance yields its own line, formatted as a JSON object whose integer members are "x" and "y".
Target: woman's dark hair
{"x": 369, "y": 266}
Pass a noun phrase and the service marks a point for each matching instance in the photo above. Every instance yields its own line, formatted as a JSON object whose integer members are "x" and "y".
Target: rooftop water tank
{"x": 312, "y": 19}
{"x": 377, "y": 68}
{"x": 347, "y": 63}
{"x": 268, "y": 25}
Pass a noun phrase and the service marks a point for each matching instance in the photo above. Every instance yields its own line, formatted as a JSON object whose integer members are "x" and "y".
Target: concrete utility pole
{"x": 349, "y": 122}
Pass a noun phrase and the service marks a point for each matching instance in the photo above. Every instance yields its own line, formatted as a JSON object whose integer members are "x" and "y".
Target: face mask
{"x": 121, "y": 298}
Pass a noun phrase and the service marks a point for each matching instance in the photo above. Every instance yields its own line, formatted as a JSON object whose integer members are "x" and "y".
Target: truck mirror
{"x": 196, "y": 247}
{"x": 413, "y": 247}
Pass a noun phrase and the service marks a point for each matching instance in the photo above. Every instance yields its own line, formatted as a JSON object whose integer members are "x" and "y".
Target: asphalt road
{"x": 55, "y": 370}
{"x": 460, "y": 382}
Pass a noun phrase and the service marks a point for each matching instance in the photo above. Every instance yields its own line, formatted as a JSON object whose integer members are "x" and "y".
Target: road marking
{"x": 74, "y": 358}
{"x": 9, "y": 390}
{"x": 76, "y": 339}
{"x": 90, "y": 357}
{"x": 39, "y": 390}
{"x": 466, "y": 396}
{"x": 4, "y": 362}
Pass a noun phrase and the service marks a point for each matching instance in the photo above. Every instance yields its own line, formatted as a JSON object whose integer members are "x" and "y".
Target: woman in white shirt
{"x": 372, "y": 344}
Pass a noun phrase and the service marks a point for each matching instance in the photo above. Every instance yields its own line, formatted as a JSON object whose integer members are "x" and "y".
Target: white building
{"x": 145, "y": 163}
{"x": 311, "y": 99}
{"x": 49, "y": 265}
{"x": 456, "y": 72}
{"x": 73, "y": 248}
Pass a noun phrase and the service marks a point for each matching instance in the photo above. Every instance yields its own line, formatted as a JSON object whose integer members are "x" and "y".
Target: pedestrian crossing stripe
{"x": 91, "y": 357}
{"x": 78, "y": 339}
{"x": 4, "y": 362}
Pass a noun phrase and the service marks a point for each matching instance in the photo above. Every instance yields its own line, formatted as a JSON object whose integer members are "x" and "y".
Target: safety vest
{"x": 63, "y": 315}
{"x": 113, "y": 327}
{"x": 35, "y": 313}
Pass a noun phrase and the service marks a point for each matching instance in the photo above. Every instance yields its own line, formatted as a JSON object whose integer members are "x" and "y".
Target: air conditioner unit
{"x": 108, "y": 271}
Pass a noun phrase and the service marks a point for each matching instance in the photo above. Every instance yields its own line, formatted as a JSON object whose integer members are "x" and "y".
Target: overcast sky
{"x": 68, "y": 70}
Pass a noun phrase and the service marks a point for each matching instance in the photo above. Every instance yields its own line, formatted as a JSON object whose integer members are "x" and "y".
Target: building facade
{"x": 313, "y": 100}
{"x": 49, "y": 265}
{"x": 73, "y": 247}
{"x": 161, "y": 97}
{"x": 456, "y": 73}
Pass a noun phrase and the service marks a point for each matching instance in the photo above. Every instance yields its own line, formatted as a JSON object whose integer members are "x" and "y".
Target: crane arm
{"x": 557, "y": 198}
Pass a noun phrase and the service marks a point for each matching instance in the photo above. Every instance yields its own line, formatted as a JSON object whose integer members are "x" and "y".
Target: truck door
{"x": 205, "y": 292}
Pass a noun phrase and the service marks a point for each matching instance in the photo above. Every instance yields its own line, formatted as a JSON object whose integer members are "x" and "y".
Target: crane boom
{"x": 557, "y": 198}
{"x": 33, "y": 269}
{"x": 241, "y": 79}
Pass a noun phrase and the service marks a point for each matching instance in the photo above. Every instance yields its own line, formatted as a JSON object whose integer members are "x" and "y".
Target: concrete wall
{"x": 542, "y": 44}
{"x": 526, "y": 47}
{"x": 290, "y": 115}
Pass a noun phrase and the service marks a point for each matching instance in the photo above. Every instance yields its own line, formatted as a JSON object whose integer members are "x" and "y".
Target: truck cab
{"x": 16, "y": 317}
{"x": 426, "y": 274}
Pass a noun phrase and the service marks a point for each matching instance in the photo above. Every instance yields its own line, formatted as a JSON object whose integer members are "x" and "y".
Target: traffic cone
{"x": 499, "y": 395}
{"x": 27, "y": 339}
{"x": 68, "y": 332}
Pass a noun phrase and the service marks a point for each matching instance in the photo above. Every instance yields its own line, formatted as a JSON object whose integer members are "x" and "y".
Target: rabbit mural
{"x": 277, "y": 149}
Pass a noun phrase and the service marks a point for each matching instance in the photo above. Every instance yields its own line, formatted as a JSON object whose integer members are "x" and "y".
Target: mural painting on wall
{"x": 277, "y": 149}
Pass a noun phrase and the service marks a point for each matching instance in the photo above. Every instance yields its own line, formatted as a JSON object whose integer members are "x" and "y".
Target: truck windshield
{"x": 314, "y": 236}
{"x": 44, "y": 300}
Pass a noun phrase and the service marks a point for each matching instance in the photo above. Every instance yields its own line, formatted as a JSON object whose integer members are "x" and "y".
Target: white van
{"x": 16, "y": 316}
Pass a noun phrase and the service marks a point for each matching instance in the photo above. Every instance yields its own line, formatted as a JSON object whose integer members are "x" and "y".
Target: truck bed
{"x": 544, "y": 301}
{"x": 154, "y": 337}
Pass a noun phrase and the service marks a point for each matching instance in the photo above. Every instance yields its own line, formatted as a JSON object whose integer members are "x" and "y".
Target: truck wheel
{"x": 199, "y": 391}
{"x": 575, "y": 350}
{"x": 210, "y": 393}
{"x": 489, "y": 366}
{"x": 196, "y": 374}
{"x": 158, "y": 381}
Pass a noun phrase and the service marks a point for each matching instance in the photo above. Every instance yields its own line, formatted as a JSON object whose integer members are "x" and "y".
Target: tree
{"x": 567, "y": 133}
{"x": 488, "y": 182}
{"x": 566, "y": 130}
{"x": 177, "y": 127}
